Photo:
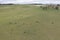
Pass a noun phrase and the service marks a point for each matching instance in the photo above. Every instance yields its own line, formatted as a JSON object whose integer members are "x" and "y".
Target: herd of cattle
{"x": 50, "y": 6}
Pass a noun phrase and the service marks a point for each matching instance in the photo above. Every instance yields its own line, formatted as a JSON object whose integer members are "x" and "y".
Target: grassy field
{"x": 26, "y": 22}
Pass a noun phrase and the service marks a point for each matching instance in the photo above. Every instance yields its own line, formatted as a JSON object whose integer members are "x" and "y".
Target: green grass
{"x": 26, "y": 22}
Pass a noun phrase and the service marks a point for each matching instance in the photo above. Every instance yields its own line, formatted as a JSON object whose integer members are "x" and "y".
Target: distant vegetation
{"x": 7, "y": 4}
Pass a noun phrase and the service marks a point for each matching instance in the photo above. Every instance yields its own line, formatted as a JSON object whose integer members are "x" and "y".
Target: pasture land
{"x": 27, "y": 22}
